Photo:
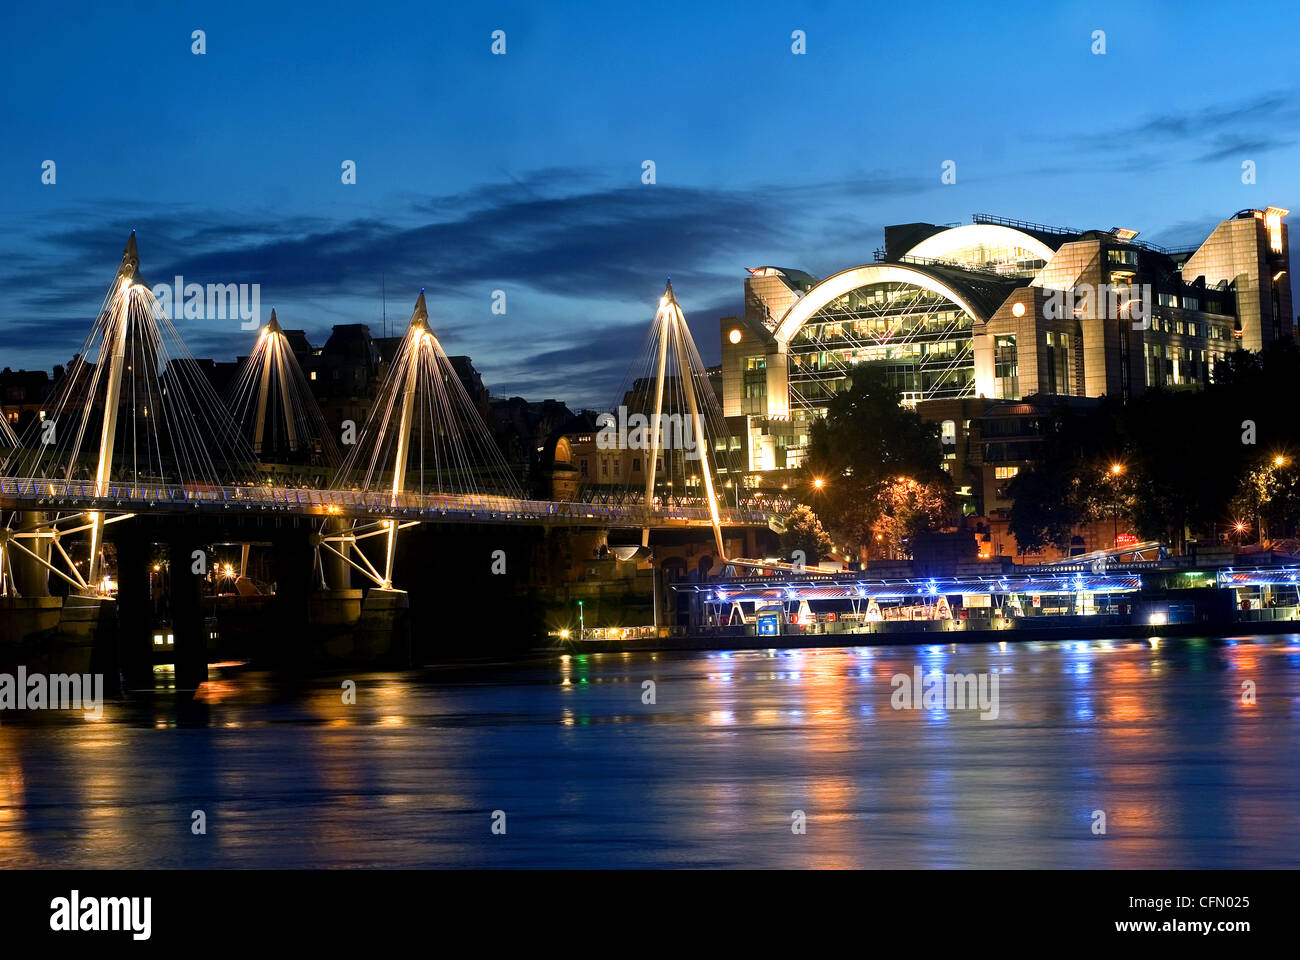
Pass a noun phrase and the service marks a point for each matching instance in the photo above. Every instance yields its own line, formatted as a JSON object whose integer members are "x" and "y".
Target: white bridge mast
{"x": 115, "y": 344}
{"x": 672, "y": 324}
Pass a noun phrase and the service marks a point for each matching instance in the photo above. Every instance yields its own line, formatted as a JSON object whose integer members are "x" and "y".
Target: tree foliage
{"x": 904, "y": 508}
{"x": 1193, "y": 460}
{"x": 804, "y": 531}
{"x": 868, "y": 436}
{"x": 879, "y": 467}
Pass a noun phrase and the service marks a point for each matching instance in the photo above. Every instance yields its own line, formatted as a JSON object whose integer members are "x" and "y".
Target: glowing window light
{"x": 1273, "y": 220}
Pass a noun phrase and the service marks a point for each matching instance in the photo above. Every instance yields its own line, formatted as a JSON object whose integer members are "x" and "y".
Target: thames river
{"x": 770, "y": 759}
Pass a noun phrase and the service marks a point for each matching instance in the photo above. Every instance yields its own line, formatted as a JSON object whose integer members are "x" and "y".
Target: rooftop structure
{"x": 1000, "y": 309}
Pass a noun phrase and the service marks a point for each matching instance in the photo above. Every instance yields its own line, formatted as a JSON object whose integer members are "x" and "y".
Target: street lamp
{"x": 1279, "y": 461}
{"x": 736, "y": 486}
{"x": 582, "y": 624}
{"x": 818, "y": 483}
{"x": 1116, "y": 470}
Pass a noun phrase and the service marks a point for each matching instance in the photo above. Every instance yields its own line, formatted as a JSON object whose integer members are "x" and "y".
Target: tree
{"x": 1186, "y": 459}
{"x": 1270, "y": 495}
{"x": 1193, "y": 459}
{"x": 866, "y": 442}
{"x": 905, "y": 508}
{"x": 804, "y": 531}
{"x": 1070, "y": 482}
{"x": 869, "y": 436}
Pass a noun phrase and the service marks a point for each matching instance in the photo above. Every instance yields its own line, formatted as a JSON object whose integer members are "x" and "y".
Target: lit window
{"x": 1273, "y": 220}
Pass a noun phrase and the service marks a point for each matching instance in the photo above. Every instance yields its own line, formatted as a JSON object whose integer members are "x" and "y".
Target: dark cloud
{"x": 1244, "y": 129}
{"x": 1215, "y": 132}
{"x": 582, "y": 265}
{"x": 1197, "y": 123}
{"x": 1243, "y": 148}
{"x": 57, "y": 339}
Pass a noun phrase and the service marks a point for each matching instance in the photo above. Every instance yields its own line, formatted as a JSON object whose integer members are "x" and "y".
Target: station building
{"x": 962, "y": 317}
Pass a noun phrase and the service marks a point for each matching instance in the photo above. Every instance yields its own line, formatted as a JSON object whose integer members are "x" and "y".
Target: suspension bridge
{"x": 135, "y": 429}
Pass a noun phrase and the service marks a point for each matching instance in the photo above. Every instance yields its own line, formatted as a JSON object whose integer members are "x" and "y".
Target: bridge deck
{"x": 41, "y": 494}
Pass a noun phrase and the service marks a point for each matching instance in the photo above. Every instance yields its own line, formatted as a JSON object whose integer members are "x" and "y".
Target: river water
{"x": 1157, "y": 735}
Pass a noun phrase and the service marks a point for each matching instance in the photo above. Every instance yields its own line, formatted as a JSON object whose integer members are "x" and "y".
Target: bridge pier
{"x": 333, "y": 616}
{"x": 32, "y": 578}
{"x": 334, "y": 609}
{"x": 335, "y": 569}
{"x": 135, "y": 614}
{"x": 189, "y": 633}
{"x": 288, "y": 644}
{"x": 24, "y": 619}
{"x": 47, "y": 633}
{"x": 383, "y": 633}
{"x": 84, "y": 638}
{"x": 28, "y": 615}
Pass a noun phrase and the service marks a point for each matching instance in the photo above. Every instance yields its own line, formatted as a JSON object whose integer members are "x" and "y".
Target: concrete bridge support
{"x": 383, "y": 634}
{"x": 189, "y": 632}
{"x": 334, "y": 609}
{"x": 28, "y": 615}
{"x": 84, "y": 638}
{"x": 286, "y": 641}
{"x": 31, "y": 577}
{"x": 135, "y": 613}
{"x": 336, "y": 570}
{"x": 73, "y": 634}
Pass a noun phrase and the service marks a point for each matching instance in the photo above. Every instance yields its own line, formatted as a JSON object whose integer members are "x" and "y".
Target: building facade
{"x": 999, "y": 310}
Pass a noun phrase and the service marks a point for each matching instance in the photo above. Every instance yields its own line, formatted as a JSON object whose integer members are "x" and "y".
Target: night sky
{"x": 523, "y": 172}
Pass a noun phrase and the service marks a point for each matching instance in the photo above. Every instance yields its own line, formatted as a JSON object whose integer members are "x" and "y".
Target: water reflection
{"x": 1190, "y": 772}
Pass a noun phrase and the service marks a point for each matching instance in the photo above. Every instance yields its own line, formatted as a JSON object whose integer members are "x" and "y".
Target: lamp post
{"x": 582, "y": 624}
{"x": 1116, "y": 471}
{"x": 1279, "y": 462}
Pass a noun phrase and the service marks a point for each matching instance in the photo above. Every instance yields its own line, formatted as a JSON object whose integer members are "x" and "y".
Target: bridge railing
{"x": 368, "y": 501}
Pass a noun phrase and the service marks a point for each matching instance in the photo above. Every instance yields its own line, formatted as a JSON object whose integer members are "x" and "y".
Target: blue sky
{"x": 522, "y": 172}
